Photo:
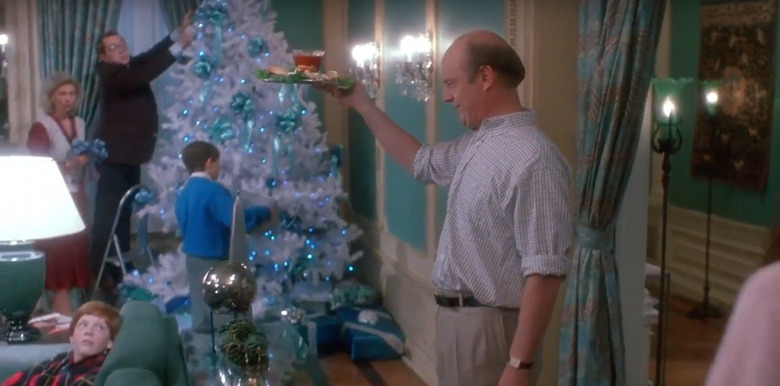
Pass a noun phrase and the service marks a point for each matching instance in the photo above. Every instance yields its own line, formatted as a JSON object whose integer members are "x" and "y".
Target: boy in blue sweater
{"x": 204, "y": 210}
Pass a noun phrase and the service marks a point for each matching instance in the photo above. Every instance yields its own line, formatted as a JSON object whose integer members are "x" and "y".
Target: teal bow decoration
{"x": 243, "y": 106}
{"x": 203, "y": 69}
{"x": 256, "y": 47}
{"x": 215, "y": 16}
{"x": 287, "y": 121}
{"x": 221, "y": 130}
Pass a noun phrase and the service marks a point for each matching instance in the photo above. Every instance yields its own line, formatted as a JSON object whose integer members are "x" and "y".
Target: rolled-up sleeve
{"x": 543, "y": 222}
{"x": 437, "y": 163}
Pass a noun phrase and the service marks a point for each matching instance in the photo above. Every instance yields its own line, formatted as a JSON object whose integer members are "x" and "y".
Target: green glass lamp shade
{"x": 710, "y": 90}
{"x": 668, "y": 93}
{"x": 21, "y": 285}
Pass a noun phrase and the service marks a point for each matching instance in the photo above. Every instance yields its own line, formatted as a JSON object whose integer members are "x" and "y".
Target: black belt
{"x": 457, "y": 301}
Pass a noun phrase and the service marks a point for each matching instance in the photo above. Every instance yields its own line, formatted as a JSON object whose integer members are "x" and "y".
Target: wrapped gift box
{"x": 371, "y": 334}
{"x": 322, "y": 332}
{"x": 177, "y": 305}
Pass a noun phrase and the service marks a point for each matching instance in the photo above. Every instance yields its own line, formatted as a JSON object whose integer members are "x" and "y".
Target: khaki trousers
{"x": 472, "y": 345}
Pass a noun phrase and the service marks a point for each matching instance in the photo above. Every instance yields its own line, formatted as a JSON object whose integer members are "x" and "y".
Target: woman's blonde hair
{"x": 50, "y": 86}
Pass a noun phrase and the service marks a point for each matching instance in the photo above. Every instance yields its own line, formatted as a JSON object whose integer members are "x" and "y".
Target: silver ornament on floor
{"x": 229, "y": 287}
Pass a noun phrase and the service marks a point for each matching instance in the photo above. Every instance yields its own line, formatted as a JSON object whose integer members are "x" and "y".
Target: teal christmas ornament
{"x": 256, "y": 47}
{"x": 220, "y": 131}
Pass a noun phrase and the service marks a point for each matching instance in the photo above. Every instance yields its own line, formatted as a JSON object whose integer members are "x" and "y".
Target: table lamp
{"x": 34, "y": 204}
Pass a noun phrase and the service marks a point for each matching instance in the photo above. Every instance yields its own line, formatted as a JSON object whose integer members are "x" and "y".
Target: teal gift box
{"x": 371, "y": 334}
{"x": 322, "y": 332}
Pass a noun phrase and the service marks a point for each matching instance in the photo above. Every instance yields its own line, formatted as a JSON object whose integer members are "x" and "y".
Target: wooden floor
{"x": 341, "y": 371}
{"x": 691, "y": 345}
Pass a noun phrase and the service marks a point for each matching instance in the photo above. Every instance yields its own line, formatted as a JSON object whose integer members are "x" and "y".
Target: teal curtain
{"x": 617, "y": 46}
{"x": 174, "y": 11}
{"x": 68, "y": 31}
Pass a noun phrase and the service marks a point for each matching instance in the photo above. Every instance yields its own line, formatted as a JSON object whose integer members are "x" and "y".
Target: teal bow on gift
{"x": 349, "y": 295}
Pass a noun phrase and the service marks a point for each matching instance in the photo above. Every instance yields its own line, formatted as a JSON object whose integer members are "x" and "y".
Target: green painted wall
{"x": 405, "y": 197}
{"x": 758, "y": 208}
{"x": 455, "y": 19}
{"x": 361, "y": 152}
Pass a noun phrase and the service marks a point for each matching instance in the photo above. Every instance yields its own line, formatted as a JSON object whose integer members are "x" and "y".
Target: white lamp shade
{"x": 35, "y": 202}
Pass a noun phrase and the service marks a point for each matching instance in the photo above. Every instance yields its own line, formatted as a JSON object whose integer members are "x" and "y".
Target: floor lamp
{"x": 666, "y": 141}
{"x": 705, "y": 309}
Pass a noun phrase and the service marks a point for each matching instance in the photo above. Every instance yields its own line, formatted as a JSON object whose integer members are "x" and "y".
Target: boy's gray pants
{"x": 197, "y": 267}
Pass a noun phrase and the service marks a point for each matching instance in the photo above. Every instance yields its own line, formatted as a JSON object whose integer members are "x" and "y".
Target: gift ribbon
{"x": 311, "y": 332}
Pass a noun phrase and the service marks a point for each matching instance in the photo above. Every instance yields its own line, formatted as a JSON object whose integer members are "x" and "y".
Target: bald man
{"x": 504, "y": 248}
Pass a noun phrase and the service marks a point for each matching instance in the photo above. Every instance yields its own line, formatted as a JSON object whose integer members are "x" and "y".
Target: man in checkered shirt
{"x": 503, "y": 250}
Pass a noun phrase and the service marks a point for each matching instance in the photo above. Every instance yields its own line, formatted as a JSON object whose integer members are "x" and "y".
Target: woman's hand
{"x": 76, "y": 162}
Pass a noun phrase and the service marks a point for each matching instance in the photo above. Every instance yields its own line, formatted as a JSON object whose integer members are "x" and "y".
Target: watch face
{"x": 519, "y": 364}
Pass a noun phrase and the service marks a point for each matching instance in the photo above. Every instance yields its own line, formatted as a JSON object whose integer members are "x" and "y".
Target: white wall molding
{"x": 404, "y": 289}
{"x": 736, "y": 251}
{"x": 631, "y": 255}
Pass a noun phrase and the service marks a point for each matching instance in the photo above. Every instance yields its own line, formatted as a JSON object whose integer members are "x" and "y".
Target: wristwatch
{"x": 519, "y": 364}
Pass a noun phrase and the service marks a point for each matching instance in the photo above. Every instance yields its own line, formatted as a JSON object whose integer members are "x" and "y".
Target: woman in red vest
{"x": 52, "y": 135}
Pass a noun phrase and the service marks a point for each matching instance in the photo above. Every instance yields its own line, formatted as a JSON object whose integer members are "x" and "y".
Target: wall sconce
{"x": 366, "y": 67}
{"x": 415, "y": 72}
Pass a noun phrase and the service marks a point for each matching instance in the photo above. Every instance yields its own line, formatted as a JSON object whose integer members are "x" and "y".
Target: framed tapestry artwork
{"x": 737, "y": 49}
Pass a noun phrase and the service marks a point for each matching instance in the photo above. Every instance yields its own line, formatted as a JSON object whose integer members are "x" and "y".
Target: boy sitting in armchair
{"x": 92, "y": 332}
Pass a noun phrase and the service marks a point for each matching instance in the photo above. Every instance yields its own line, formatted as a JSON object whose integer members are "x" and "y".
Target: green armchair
{"x": 147, "y": 351}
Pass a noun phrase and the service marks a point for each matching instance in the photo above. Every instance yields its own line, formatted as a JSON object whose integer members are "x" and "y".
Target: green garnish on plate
{"x": 300, "y": 77}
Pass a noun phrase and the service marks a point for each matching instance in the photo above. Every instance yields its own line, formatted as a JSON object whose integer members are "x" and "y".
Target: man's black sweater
{"x": 129, "y": 121}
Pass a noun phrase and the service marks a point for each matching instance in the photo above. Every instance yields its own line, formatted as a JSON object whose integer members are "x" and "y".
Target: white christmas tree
{"x": 272, "y": 151}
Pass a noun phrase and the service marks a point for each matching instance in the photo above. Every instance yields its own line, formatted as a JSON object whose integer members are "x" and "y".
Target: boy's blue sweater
{"x": 204, "y": 210}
